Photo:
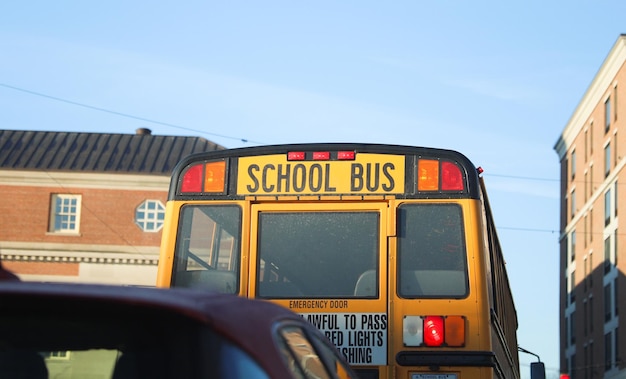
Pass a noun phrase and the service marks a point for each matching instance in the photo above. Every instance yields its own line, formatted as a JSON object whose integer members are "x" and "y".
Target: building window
{"x": 591, "y": 312}
{"x": 616, "y": 198}
{"x": 590, "y": 276}
{"x": 573, "y": 163}
{"x": 65, "y": 213}
{"x": 149, "y": 215}
{"x": 591, "y": 138}
{"x": 607, "y": 115}
{"x": 572, "y": 294}
{"x": 607, "y": 207}
{"x": 615, "y": 156}
{"x": 585, "y": 317}
{"x": 572, "y": 330}
{"x": 615, "y": 251}
{"x": 615, "y": 297}
{"x": 586, "y": 145}
{"x": 615, "y": 103}
{"x": 57, "y": 355}
{"x": 607, "y": 255}
{"x": 607, "y": 159}
{"x": 608, "y": 359}
{"x": 573, "y": 203}
{"x": 591, "y": 189}
{"x": 586, "y": 232}
{"x": 591, "y": 225}
{"x": 608, "y": 303}
{"x": 572, "y": 245}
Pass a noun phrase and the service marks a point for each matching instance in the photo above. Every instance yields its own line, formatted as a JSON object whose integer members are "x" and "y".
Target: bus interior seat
{"x": 278, "y": 290}
{"x": 432, "y": 283}
{"x": 217, "y": 280}
{"x": 366, "y": 284}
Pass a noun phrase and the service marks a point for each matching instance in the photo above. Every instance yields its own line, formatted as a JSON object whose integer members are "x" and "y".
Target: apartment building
{"x": 591, "y": 150}
{"x": 86, "y": 207}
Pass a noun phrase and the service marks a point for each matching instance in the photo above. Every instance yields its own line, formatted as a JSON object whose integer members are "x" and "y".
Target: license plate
{"x": 433, "y": 376}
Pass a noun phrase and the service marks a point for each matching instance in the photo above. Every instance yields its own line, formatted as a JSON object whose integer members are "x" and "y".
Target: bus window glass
{"x": 317, "y": 254}
{"x": 208, "y": 248}
{"x": 432, "y": 251}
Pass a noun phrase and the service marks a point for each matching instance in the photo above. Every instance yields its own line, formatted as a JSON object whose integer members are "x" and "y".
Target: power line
{"x": 121, "y": 114}
{"x": 522, "y": 177}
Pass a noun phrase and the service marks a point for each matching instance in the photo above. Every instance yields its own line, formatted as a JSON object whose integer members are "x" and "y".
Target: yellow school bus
{"x": 390, "y": 250}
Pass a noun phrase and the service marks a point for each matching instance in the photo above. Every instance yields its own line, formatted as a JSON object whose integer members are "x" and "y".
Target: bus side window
{"x": 215, "y": 280}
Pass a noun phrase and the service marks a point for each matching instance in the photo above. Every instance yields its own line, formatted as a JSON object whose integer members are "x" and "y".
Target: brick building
{"x": 86, "y": 207}
{"x": 592, "y": 152}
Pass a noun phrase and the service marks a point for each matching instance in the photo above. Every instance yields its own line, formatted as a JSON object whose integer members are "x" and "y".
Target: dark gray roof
{"x": 140, "y": 153}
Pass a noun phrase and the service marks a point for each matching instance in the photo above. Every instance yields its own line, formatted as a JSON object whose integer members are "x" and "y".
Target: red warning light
{"x": 433, "y": 331}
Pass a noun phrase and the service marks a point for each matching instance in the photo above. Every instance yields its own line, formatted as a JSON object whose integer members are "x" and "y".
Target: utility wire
{"x": 122, "y": 114}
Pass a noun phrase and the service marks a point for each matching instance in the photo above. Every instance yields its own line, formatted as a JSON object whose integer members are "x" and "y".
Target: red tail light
{"x": 433, "y": 331}
{"x": 451, "y": 177}
{"x": 192, "y": 180}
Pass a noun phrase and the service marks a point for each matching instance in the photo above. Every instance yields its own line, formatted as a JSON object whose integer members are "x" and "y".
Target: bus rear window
{"x": 207, "y": 248}
{"x": 432, "y": 256}
{"x": 317, "y": 254}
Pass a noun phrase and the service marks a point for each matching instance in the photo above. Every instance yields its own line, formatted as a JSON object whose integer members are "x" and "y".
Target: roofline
{"x": 594, "y": 93}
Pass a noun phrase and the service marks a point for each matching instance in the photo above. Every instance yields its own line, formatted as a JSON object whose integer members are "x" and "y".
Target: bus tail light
{"x": 431, "y": 171}
{"x": 192, "y": 179}
{"x": 451, "y": 177}
{"x": 214, "y": 177}
{"x": 205, "y": 177}
{"x": 455, "y": 331}
{"x": 427, "y": 175}
{"x": 433, "y": 331}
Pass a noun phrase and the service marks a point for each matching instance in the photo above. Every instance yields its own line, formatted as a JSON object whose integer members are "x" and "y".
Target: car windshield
{"x": 144, "y": 343}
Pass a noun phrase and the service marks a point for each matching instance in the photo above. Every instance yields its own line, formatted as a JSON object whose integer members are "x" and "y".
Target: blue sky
{"x": 497, "y": 81}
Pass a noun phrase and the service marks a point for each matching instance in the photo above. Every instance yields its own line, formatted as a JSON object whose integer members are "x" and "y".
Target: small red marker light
{"x": 321, "y": 156}
{"x": 346, "y": 155}
{"x": 295, "y": 156}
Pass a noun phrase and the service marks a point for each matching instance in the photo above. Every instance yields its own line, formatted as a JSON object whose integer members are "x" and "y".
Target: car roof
{"x": 250, "y": 323}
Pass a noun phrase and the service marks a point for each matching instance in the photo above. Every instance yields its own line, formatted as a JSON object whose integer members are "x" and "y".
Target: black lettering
{"x": 357, "y": 355}
{"x": 356, "y": 177}
{"x": 267, "y": 188}
{"x": 327, "y": 187}
{"x": 315, "y": 177}
{"x": 380, "y": 341}
{"x": 386, "y": 168}
{"x": 299, "y": 177}
{"x": 251, "y": 173}
{"x": 372, "y": 187}
{"x": 283, "y": 176}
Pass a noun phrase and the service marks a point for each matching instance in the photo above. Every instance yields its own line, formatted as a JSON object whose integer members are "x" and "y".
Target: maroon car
{"x": 78, "y": 331}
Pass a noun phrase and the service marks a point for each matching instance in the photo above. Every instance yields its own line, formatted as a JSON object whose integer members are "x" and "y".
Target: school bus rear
{"x": 382, "y": 249}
